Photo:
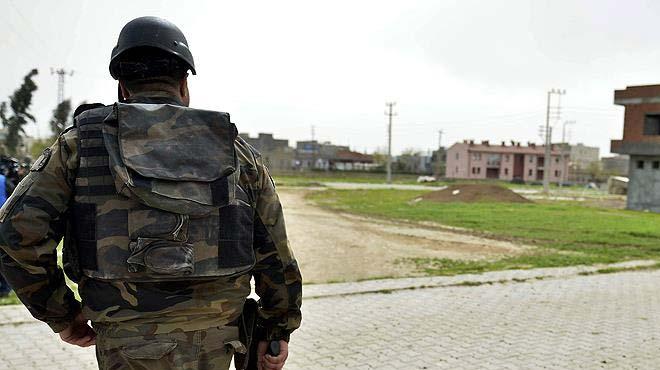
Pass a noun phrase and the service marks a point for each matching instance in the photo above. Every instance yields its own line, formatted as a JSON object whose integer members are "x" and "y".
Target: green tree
{"x": 408, "y": 161}
{"x": 595, "y": 171}
{"x": 19, "y": 103}
{"x": 61, "y": 118}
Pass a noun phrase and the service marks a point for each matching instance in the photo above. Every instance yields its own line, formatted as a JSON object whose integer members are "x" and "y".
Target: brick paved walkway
{"x": 563, "y": 321}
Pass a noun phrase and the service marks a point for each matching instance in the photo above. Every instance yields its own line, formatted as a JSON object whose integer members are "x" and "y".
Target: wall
{"x": 644, "y": 185}
{"x": 633, "y": 129}
{"x": 462, "y": 162}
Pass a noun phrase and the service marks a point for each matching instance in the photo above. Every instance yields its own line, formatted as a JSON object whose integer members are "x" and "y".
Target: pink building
{"x": 468, "y": 160}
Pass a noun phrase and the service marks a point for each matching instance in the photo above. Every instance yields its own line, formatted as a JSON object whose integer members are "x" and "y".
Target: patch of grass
{"x": 10, "y": 299}
{"x": 473, "y": 283}
{"x": 566, "y": 233}
{"x": 613, "y": 270}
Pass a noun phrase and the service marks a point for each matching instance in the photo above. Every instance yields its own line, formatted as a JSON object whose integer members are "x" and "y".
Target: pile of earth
{"x": 475, "y": 193}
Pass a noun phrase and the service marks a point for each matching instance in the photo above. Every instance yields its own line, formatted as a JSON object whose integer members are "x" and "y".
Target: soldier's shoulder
{"x": 90, "y": 113}
{"x": 246, "y": 152}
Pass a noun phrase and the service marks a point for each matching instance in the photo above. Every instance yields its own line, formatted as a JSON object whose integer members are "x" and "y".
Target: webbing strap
{"x": 87, "y": 258}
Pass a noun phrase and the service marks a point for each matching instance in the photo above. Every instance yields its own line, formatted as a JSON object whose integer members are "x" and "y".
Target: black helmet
{"x": 151, "y": 32}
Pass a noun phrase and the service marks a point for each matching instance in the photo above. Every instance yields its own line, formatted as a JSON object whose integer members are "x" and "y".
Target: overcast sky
{"x": 475, "y": 69}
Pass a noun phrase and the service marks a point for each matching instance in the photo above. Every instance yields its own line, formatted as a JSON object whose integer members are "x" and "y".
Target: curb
{"x": 18, "y": 314}
{"x": 496, "y": 277}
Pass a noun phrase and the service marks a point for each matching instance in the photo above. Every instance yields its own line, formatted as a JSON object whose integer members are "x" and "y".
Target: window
{"x": 474, "y": 170}
{"x": 557, "y": 173}
{"x": 556, "y": 159}
{"x": 478, "y": 170}
{"x": 506, "y": 171}
{"x": 652, "y": 124}
{"x": 457, "y": 156}
{"x": 531, "y": 172}
{"x": 531, "y": 159}
{"x": 476, "y": 156}
{"x": 456, "y": 171}
{"x": 656, "y": 165}
{"x": 640, "y": 165}
{"x": 494, "y": 160}
{"x": 506, "y": 158}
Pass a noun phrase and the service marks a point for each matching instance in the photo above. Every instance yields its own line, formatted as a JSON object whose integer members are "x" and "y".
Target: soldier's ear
{"x": 183, "y": 90}
{"x": 124, "y": 91}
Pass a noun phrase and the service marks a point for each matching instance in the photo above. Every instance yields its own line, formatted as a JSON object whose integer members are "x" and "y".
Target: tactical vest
{"x": 157, "y": 196}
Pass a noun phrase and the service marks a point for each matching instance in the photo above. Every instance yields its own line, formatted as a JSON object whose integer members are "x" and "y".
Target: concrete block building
{"x": 616, "y": 165}
{"x": 641, "y": 141}
{"x": 276, "y": 153}
{"x": 468, "y": 160}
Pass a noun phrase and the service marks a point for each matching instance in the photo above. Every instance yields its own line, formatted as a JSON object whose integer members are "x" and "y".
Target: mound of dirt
{"x": 475, "y": 193}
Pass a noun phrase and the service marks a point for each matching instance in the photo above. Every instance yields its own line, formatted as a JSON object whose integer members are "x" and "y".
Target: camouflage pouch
{"x": 172, "y": 158}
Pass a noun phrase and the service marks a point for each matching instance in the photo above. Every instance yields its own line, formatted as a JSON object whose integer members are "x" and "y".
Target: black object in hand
{"x": 274, "y": 348}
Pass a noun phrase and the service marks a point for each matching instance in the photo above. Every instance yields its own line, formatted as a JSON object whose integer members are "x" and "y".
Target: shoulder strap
{"x": 85, "y": 107}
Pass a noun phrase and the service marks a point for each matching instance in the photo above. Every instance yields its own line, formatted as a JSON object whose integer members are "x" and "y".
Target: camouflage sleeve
{"x": 31, "y": 226}
{"x": 277, "y": 277}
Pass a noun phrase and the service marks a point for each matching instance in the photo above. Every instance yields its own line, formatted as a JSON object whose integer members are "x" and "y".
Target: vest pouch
{"x": 175, "y": 143}
{"x": 172, "y": 158}
{"x": 161, "y": 257}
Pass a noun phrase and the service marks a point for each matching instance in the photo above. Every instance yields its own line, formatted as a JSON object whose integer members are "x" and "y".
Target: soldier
{"x": 166, "y": 214}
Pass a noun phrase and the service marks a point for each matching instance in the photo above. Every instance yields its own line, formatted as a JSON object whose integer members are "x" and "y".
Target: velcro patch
{"x": 42, "y": 161}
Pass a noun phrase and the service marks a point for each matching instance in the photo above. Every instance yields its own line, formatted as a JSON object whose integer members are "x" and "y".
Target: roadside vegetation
{"x": 565, "y": 233}
{"x": 316, "y": 178}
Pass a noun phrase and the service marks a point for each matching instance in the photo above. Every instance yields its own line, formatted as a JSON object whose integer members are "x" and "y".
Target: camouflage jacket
{"x": 32, "y": 225}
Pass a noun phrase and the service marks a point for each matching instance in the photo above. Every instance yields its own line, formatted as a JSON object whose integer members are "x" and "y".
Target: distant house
{"x": 276, "y": 153}
{"x": 468, "y": 160}
{"x": 582, "y": 156}
{"x": 327, "y": 156}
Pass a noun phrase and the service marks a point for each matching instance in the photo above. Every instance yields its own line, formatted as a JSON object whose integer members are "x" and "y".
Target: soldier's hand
{"x": 268, "y": 362}
{"x": 79, "y": 333}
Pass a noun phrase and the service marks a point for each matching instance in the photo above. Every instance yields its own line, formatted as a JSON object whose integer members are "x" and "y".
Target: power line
{"x": 37, "y": 53}
{"x": 37, "y": 35}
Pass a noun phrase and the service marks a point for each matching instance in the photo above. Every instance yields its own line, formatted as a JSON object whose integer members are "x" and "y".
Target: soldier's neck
{"x": 156, "y": 94}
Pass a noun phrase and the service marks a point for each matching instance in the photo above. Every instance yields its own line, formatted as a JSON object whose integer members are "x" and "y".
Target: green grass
{"x": 566, "y": 233}
{"x": 315, "y": 178}
{"x": 10, "y": 299}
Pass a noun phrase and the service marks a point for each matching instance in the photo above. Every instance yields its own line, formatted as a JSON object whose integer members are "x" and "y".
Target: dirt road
{"x": 334, "y": 247}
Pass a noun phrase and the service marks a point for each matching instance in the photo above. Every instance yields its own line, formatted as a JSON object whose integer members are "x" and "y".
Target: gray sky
{"x": 475, "y": 69}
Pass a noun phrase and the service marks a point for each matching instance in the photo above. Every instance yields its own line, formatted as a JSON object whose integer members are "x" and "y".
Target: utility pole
{"x": 61, "y": 74}
{"x": 389, "y": 114}
{"x": 547, "y": 160}
{"x": 439, "y": 156}
{"x": 564, "y": 146}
